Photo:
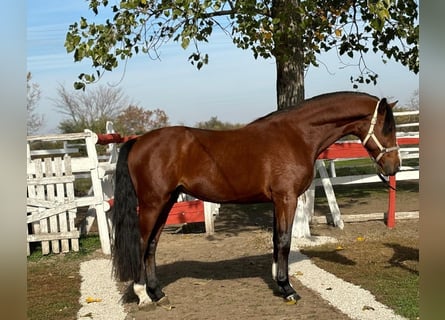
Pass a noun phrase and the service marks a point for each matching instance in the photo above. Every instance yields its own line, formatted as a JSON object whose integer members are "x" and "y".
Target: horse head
{"x": 381, "y": 141}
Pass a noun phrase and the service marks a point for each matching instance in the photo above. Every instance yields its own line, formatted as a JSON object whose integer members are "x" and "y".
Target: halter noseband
{"x": 371, "y": 134}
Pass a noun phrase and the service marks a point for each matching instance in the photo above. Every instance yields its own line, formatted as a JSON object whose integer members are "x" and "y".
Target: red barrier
{"x": 183, "y": 212}
{"x": 107, "y": 138}
{"x": 186, "y": 212}
{"x": 349, "y": 150}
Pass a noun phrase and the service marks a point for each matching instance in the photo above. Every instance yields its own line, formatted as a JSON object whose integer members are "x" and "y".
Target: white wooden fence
{"x": 51, "y": 206}
{"x": 43, "y": 203}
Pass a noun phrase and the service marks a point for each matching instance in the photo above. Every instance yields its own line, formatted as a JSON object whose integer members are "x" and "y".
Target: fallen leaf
{"x": 201, "y": 283}
{"x": 360, "y": 239}
{"x": 367, "y": 308}
{"x": 339, "y": 248}
{"x": 87, "y": 315}
{"x": 298, "y": 273}
{"x": 91, "y": 299}
{"x": 167, "y": 307}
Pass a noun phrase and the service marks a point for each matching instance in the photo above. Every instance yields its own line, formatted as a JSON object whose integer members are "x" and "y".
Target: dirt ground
{"x": 229, "y": 274}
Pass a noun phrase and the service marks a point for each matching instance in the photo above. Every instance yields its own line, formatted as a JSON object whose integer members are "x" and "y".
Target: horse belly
{"x": 225, "y": 184}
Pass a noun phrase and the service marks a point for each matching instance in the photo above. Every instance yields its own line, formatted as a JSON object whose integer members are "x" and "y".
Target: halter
{"x": 371, "y": 134}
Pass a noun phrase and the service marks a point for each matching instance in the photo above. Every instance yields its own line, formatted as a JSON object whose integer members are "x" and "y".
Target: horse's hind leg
{"x": 282, "y": 234}
{"x": 153, "y": 285}
{"x": 139, "y": 285}
{"x": 148, "y": 216}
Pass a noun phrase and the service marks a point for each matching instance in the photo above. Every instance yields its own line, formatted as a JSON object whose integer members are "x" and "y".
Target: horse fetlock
{"x": 146, "y": 305}
{"x": 144, "y": 299}
{"x": 286, "y": 289}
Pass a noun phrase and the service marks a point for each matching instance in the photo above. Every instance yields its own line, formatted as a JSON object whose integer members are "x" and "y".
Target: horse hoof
{"x": 164, "y": 302}
{"x": 292, "y": 299}
{"x": 147, "y": 306}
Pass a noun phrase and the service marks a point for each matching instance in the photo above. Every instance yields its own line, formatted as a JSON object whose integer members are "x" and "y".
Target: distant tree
{"x": 136, "y": 120}
{"x": 414, "y": 101}
{"x": 89, "y": 109}
{"x": 35, "y": 121}
{"x": 215, "y": 124}
{"x": 412, "y": 118}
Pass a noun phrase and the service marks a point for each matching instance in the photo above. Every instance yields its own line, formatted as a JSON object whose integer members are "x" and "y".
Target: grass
{"x": 400, "y": 292}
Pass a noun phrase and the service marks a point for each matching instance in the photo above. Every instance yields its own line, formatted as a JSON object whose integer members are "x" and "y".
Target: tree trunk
{"x": 288, "y": 52}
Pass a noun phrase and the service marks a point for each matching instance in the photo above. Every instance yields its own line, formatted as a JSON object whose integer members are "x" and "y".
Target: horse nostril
{"x": 391, "y": 169}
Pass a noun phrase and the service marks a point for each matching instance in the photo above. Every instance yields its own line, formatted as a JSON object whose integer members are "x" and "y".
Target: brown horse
{"x": 269, "y": 160}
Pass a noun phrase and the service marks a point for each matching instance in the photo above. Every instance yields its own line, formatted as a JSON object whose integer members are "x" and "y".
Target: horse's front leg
{"x": 282, "y": 233}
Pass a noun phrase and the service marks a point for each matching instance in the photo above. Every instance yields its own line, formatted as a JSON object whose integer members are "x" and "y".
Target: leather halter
{"x": 371, "y": 135}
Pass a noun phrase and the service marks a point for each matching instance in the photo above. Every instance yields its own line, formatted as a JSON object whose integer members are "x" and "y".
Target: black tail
{"x": 124, "y": 217}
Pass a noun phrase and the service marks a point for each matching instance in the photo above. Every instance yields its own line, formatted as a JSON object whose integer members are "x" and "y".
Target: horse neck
{"x": 331, "y": 121}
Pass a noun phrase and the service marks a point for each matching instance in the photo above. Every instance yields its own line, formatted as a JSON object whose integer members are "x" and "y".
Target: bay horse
{"x": 269, "y": 160}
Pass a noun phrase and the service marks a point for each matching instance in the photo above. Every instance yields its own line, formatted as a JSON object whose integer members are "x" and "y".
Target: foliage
{"x": 215, "y": 124}
{"x": 279, "y": 29}
{"x": 34, "y": 120}
{"x": 135, "y": 120}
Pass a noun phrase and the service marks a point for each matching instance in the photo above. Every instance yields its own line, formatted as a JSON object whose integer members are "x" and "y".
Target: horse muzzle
{"x": 389, "y": 165}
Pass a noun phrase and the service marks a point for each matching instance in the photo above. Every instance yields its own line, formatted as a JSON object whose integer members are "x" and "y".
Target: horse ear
{"x": 383, "y": 103}
{"x": 392, "y": 104}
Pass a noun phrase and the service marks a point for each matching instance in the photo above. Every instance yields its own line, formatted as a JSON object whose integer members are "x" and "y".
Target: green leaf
{"x": 79, "y": 86}
{"x": 83, "y": 23}
{"x": 185, "y": 42}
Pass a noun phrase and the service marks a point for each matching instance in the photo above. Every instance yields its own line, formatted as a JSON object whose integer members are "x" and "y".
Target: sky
{"x": 233, "y": 87}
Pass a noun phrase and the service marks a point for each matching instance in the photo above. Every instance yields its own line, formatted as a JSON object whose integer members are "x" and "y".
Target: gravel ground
{"x": 350, "y": 299}
{"x": 99, "y": 286}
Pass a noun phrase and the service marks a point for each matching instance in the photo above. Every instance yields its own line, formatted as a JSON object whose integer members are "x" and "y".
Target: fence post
{"x": 102, "y": 224}
{"x": 330, "y": 195}
{"x": 391, "y": 215}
